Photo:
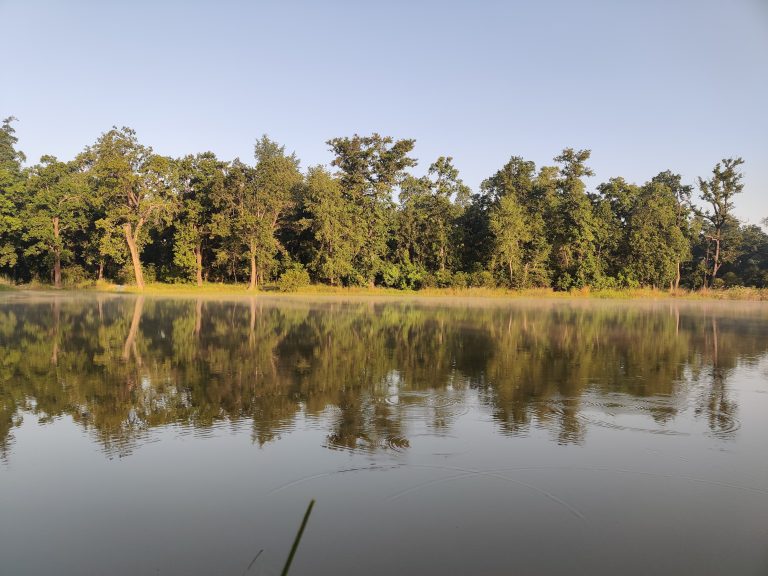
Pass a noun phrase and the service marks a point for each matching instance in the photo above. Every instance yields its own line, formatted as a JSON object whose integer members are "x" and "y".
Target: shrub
{"x": 482, "y": 279}
{"x": 565, "y": 282}
{"x": 460, "y": 280}
{"x": 390, "y": 275}
{"x": 731, "y": 279}
{"x": 443, "y": 278}
{"x": 75, "y": 275}
{"x": 411, "y": 276}
{"x": 294, "y": 278}
{"x": 428, "y": 280}
{"x": 405, "y": 276}
{"x": 354, "y": 278}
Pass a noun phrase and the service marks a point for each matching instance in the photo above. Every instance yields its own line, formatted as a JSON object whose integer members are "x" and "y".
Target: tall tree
{"x": 475, "y": 240}
{"x": 517, "y": 222}
{"x": 718, "y": 192}
{"x": 252, "y": 203}
{"x": 508, "y": 225}
{"x": 430, "y": 207}
{"x": 656, "y": 243}
{"x": 334, "y": 226}
{"x": 201, "y": 181}
{"x": 681, "y": 193}
{"x": 613, "y": 207}
{"x": 11, "y": 182}
{"x": 573, "y": 224}
{"x": 370, "y": 169}
{"x": 135, "y": 188}
{"x": 55, "y": 211}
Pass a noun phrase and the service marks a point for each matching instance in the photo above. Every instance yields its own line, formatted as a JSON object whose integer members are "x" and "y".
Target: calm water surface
{"x": 159, "y": 436}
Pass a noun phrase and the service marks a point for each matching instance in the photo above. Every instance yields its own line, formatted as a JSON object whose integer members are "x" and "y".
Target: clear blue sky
{"x": 646, "y": 85}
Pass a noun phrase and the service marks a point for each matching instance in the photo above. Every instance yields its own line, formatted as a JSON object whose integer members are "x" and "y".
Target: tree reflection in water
{"x": 368, "y": 370}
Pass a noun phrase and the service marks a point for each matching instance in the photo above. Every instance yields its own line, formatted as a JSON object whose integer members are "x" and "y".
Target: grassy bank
{"x": 160, "y": 289}
{"x": 212, "y": 290}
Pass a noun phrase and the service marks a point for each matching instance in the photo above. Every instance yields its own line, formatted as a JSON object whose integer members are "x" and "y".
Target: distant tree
{"x": 430, "y": 207}
{"x": 201, "y": 181}
{"x": 613, "y": 208}
{"x": 251, "y": 203}
{"x": 718, "y": 192}
{"x": 135, "y": 189}
{"x": 475, "y": 240}
{"x": 750, "y": 267}
{"x": 507, "y": 223}
{"x": 656, "y": 244}
{"x": 517, "y": 222}
{"x": 370, "y": 169}
{"x": 55, "y": 211}
{"x": 683, "y": 212}
{"x": 334, "y": 225}
{"x": 573, "y": 224}
{"x": 11, "y": 182}
{"x": 230, "y": 204}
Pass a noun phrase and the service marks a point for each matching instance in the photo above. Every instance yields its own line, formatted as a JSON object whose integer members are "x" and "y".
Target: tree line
{"x": 120, "y": 211}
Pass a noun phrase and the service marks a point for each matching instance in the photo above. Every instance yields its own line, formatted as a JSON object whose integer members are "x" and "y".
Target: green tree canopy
{"x": 201, "y": 181}
{"x": 718, "y": 193}
{"x": 251, "y": 203}
{"x": 135, "y": 190}
{"x": 11, "y": 182}
{"x": 370, "y": 167}
{"x": 55, "y": 212}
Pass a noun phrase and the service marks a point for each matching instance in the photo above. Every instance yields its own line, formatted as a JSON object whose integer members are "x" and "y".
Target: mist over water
{"x": 145, "y": 435}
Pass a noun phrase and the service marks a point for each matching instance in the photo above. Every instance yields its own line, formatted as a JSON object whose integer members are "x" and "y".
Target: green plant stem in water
{"x": 296, "y": 540}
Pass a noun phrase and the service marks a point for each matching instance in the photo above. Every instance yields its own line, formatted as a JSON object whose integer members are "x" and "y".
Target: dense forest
{"x": 121, "y": 212}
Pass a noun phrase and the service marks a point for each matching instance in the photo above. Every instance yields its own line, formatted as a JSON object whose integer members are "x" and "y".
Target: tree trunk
{"x": 101, "y": 270}
{"x": 57, "y": 267}
{"x": 199, "y": 260}
{"x": 677, "y": 277}
{"x": 56, "y": 254}
{"x": 254, "y": 281}
{"x": 706, "y": 269}
{"x": 129, "y": 238}
{"x": 511, "y": 276}
{"x": 716, "y": 260}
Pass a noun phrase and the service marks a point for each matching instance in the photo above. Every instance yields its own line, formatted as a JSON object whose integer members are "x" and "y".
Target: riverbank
{"x": 161, "y": 289}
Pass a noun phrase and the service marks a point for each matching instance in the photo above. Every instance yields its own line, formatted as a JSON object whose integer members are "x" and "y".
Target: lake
{"x": 143, "y": 435}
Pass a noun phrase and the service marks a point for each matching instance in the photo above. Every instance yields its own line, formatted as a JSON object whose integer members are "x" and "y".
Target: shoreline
{"x": 234, "y": 290}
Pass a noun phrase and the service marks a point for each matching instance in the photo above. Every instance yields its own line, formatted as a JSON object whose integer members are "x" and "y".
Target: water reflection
{"x": 370, "y": 373}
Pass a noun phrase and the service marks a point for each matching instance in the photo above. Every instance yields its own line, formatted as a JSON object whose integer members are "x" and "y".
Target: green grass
{"x": 161, "y": 289}
{"x": 230, "y": 290}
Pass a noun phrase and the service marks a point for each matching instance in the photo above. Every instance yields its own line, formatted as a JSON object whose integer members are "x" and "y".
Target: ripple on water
{"x": 613, "y": 411}
{"x": 365, "y": 445}
{"x": 722, "y": 425}
{"x": 421, "y": 406}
